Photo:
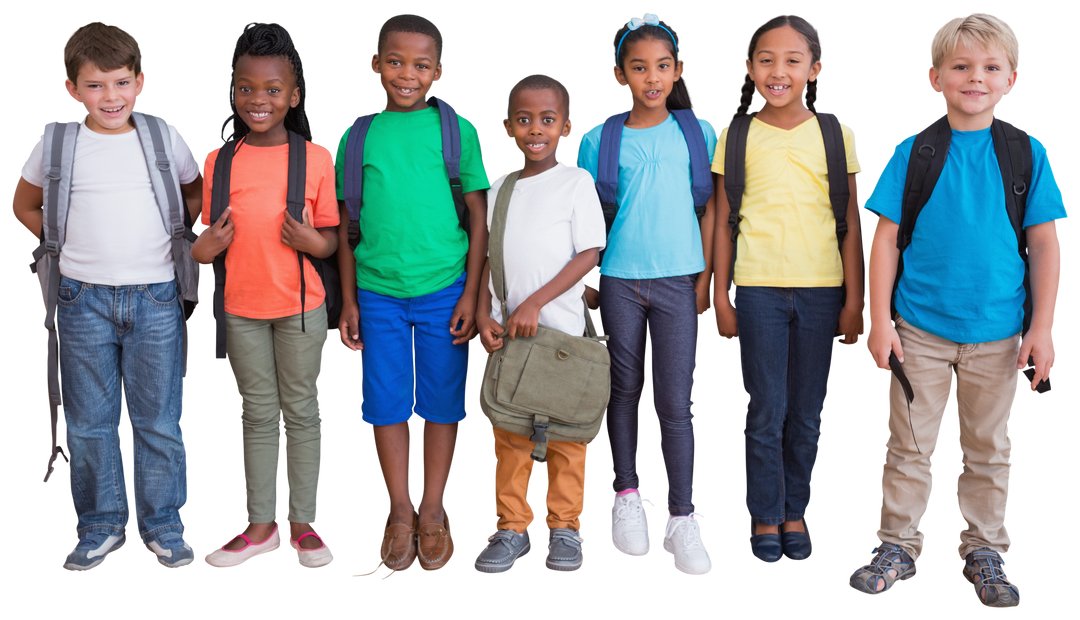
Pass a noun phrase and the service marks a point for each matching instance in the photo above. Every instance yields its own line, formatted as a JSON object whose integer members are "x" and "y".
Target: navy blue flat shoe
{"x": 796, "y": 544}
{"x": 766, "y": 547}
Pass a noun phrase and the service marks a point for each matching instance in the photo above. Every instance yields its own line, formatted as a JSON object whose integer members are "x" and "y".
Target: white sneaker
{"x": 629, "y": 531}
{"x": 683, "y": 538}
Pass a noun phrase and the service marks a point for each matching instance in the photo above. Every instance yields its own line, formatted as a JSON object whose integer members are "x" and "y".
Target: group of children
{"x": 403, "y": 212}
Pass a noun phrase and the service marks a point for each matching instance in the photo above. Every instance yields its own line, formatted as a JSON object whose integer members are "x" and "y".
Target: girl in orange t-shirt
{"x": 274, "y": 327}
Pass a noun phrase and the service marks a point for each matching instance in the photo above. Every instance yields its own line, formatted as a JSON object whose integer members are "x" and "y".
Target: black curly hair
{"x": 541, "y": 81}
{"x": 268, "y": 40}
{"x": 680, "y": 97}
{"x": 412, "y": 22}
{"x": 804, "y": 26}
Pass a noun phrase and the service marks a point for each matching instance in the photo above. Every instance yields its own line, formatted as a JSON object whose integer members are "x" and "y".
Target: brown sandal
{"x": 399, "y": 544}
{"x": 435, "y": 546}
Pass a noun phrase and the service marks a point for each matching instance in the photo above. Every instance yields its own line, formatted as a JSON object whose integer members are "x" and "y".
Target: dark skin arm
{"x": 851, "y": 256}
{"x": 708, "y": 231}
{"x": 726, "y": 322}
{"x": 27, "y": 205}
{"x": 463, "y": 321}
{"x": 349, "y": 325}
{"x": 192, "y": 193}
{"x": 302, "y": 237}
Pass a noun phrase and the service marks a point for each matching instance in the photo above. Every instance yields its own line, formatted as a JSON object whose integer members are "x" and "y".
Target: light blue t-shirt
{"x": 655, "y": 233}
{"x": 963, "y": 278}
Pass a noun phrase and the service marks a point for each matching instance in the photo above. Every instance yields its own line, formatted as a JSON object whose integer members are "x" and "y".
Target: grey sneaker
{"x": 982, "y": 567}
{"x": 504, "y": 547}
{"x": 890, "y": 564}
{"x": 92, "y": 549}
{"x": 564, "y": 549}
{"x": 171, "y": 550}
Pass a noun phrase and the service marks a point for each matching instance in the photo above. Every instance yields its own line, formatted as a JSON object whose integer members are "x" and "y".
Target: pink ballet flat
{"x": 223, "y": 557}
{"x": 312, "y": 558}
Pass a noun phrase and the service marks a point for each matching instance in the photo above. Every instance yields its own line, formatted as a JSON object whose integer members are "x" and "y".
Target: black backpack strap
{"x": 1013, "y": 149}
{"x": 735, "y": 180}
{"x": 294, "y": 202}
{"x": 839, "y": 191}
{"x": 219, "y": 201}
{"x": 700, "y": 172}
{"x": 353, "y": 186}
{"x": 451, "y": 148}
{"x": 925, "y": 164}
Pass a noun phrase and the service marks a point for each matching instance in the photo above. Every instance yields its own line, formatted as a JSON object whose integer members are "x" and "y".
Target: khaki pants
{"x": 566, "y": 482}
{"x": 985, "y": 386}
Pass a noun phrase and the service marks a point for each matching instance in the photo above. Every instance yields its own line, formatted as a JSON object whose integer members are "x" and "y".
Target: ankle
{"x": 402, "y": 513}
{"x": 794, "y": 526}
{"x": 433, "y": 513}
{"x": 763, "y": 528}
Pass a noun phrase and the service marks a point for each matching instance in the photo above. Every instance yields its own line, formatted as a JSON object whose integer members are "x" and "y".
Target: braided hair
{"x": 679, "y": 98}
{"x": 808, "y": 33}
{"x": 268, "y": 40}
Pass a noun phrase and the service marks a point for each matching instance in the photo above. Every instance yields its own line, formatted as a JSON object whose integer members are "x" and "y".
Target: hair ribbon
{"x": 649, "y": 19}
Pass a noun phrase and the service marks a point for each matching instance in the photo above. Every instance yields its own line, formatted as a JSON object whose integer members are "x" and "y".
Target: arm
{"x": 708, "y": 230}
{"x": 851, "y": 257}
{"x": 27, "y": 205}
{"x": 465, "y": 310}
{"x": 726, "y": 321}
{"x": 524, "y": 319}
{"x": 884, "y": 256}
{"x": 303, "y": 237}
{"x": 193, "y": 195}
{"x": 489, "y": 328}
{"x": 214, "y": 240}
{"x": 349, "y": 325}
{"x": 1044, "y": 258}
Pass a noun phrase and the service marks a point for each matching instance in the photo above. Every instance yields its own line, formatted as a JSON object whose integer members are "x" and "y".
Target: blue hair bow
{"x": 649, "y": 19}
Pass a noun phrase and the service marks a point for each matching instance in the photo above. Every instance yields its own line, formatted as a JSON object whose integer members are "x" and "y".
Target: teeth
{"x": 259, "y": 115}
{"x": 111, "y": 110}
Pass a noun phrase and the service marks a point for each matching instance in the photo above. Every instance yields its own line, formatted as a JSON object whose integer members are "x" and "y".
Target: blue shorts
{"x": 391, "y": 329}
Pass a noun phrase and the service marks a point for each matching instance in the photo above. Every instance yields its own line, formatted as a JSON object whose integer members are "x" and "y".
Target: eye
{"x": 961, "y": 67}
{"x": 523, "y": 120}
{"x": 393, "y": 63}
{"x": 993, "y": 68}
{"x": 664, "y": 66}
{"x": 243, "y": 89}
{"x": 766, "y": 61}
{"x": 422, "y": 67}
{"x": 274, "y": 91}
{"x": 549, "y": 120}
{"x": 122, "y": 83}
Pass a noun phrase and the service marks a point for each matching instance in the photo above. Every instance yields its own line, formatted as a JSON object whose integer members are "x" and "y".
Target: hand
{"x": 701, "y": 288}
{"x": 850, "y": 324}
{"x": 1039, "y": 345}
{"x": 302, "y": 236}
{"x": 465, "y": 316}
{"x": 490, "y": 332}
{"x": 882, "y": 341}
{"x": 727, "y": 322}
{"x": 349, "y": 326}
{"x": 592, "y": 297}
{"x": 214, "y": 240}
{"x": 523, "y": 320}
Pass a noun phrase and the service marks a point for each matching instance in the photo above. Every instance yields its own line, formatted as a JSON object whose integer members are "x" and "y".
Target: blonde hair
{"x": 976, "y": 30}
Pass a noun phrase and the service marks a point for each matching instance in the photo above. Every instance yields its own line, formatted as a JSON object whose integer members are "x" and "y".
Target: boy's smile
{"x": 109, "y": 97}
{"x": 781, "y": 67}
{"x": 265, "y": 91}
{"x": 651, "y": 72}
{"x": 407, "y": 66}
{"x": 973, "y": 81}
{"x": 537, "y": 121}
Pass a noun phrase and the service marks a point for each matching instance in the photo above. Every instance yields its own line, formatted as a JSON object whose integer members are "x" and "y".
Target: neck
{"x": 787, "y": 117}
{"x": 642, "y": 117}
{"x": 275, "y": 136}
{"x": 393, "y": 107}
{"x": 533, "y": 168}
{"x": 967, "y": 122}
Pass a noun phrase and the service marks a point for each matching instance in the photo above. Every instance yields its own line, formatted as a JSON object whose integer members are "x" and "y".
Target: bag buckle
{"x": 538, "y": 435}
{"x": 563, "y": 355}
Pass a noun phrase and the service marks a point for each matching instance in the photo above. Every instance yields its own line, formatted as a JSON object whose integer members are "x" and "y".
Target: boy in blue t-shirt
{"x": 119, "y": 316}
{"x": 959, "y": 309}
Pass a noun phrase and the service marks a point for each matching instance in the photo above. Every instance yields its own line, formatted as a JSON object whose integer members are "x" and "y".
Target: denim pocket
{"x": 163, "y": 293}
{"x": 70, "y": 292}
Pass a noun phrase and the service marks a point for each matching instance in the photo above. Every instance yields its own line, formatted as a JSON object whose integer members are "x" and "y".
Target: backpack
{"x": 354, "y": 168}
{"x": 928, "y": 153}
{"x": 57, "y": 159}
{"x": 607, "y": 168}
{"x": 836, "y": 163}
{"x": 294, "y": 201}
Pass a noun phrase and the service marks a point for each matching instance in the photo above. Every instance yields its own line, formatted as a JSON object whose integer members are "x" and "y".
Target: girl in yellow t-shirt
{"x": 791, "y": 274}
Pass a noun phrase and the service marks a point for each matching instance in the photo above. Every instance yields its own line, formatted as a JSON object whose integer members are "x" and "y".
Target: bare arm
{"x": 884, "y": 256}
{"x": 463, "y": 321}
{"x": 192, "y": 193}
{"x": 726, "y": 321}
{"x": 489, "y": 328}
{"x": 851, "y": 257}
{"x": 1044, "y": 259}
{"x": 708, "y": 230}
{"x": 27, "y": 205}
{"x": 524, "y": 319}
{"x": 349, "y": 325}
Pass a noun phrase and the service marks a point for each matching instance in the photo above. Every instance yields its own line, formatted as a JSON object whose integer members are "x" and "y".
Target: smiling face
{"x": 265, "y": 90}
{"x": 650, "y": 70}
{"x": 973, "y": 80}
{"x": 781, "y": 67}
{"x": 537, "y": 120}
{"x": 407, "y": 65}
{"x": 109, "y": 97}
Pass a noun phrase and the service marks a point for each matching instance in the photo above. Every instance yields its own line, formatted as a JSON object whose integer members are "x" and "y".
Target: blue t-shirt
{"x": 963, "y": 278}
{"x": 655, "y": 233}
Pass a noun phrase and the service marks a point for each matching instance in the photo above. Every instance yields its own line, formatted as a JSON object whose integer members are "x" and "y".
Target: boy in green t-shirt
{"x": 417, "y": 279}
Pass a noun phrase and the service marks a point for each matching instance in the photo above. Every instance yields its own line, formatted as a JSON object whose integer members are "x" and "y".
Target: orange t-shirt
{"x": 263, "y": 279}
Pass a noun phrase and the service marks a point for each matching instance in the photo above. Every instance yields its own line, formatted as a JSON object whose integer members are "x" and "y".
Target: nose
{"x": 535, "y": 129}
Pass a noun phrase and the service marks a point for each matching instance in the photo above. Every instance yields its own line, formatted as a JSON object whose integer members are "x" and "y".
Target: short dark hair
{"x": 412, "y": 24}
{"x": 540, "y": 82}
{"x": 107, "y": 47}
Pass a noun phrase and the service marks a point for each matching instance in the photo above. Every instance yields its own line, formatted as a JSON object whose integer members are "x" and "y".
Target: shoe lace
{"x": 691, "y": 533}
{"x": 886, "y": 554}
{"x": 571, "y": 537}
{"x": 989, "y": 564}
{"x": 629, "y": 508}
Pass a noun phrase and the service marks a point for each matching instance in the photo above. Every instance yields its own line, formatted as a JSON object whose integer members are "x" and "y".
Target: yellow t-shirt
{"x": 787, "y": 235}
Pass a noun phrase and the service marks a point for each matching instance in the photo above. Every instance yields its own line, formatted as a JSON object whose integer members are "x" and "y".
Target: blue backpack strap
{"x": 58, "y": 153}
{"x": 451, "y": 148}
{"x": 353, "y": 189}
{"x": 294, "y": 202}
{"x": 925, "y": 164}
{"x": 700, "y": 171}
{"x": 735, "y": 180}
{"x": 607, "y": 167}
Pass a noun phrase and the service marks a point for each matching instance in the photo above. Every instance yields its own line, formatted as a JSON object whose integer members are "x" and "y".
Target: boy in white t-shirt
{"x": 554, "y": 233}
{"x": 119, "y": 316}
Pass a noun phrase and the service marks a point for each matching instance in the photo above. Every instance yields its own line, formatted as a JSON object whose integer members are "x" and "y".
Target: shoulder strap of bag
{"x": 1013, "y": 150}
{"x": 495, "y": 239}
{"x": 219, "y": 201}
{"x": 294, "y": 202}
{"x": 607, "y": 167}
{"x": 700, "y": 172}
{"x": 735, "y": 180}
{"x": 839, "y": 192}
{"x": 451, "y": 148}
{"x": 353, "y": 186}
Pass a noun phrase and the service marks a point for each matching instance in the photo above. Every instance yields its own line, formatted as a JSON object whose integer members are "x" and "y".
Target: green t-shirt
{"x": 411, "y": 243}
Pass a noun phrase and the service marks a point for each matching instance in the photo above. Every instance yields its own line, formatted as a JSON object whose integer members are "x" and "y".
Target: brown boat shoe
{"x": 435, "y": 546}
{"x": 399, "y": 544}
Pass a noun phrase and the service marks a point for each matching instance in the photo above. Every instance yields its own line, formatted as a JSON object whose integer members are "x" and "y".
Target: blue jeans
{"x": 669, "y": 307}
{"x": 131, "y": 335}
{"x": 785, "y": 337}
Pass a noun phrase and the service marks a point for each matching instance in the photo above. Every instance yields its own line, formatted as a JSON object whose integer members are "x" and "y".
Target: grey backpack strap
{"x": 57, "y": 158}
{"x": 495, "y": 239}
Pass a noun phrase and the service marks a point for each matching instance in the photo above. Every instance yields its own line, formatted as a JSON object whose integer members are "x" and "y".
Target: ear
{"x": 375, "y": 63}
{"x": 935, "y": 79}
{"x": 750, "y": 68}
{"x": 295, "y": 99}
{"x": 1012, "y": 82}
{"x": 73, "y": 90}
{"x": 815, "y": 69}
{"x": 438, "y": 72}
{"x": 566, "y": 129}
{"x": 678, "y": 71}
{"x": 509, "y": 130}
{"x": 138, "y": 84}
{"x": 620, "y": 77}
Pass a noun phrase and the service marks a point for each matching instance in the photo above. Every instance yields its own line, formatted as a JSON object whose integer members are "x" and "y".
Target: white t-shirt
{"x": 115, "y": 234}
{"x": 552, "y": 216}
